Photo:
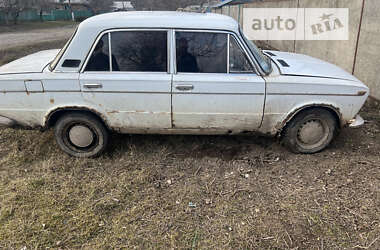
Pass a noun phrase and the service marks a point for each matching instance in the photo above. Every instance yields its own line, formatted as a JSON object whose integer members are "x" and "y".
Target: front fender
{"x": 289, "y": 116}
{"x": 276, "y": 118}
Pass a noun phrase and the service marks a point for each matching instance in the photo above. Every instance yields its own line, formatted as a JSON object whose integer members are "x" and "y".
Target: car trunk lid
{"x": 33, "y": 63}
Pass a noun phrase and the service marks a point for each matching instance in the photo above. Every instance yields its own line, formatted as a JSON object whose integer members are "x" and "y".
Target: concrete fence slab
{"x": 368, "y": 55}
{"x": 359, "y": 56}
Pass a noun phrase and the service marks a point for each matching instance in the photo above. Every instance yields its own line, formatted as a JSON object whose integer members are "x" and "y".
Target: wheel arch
{"x": 335, "y": 111}
{"x": 52, "y": 117}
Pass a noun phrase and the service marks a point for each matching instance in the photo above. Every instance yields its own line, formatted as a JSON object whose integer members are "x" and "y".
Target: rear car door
{"x": 127, "y": 78}
{"x": 215, "y": 86}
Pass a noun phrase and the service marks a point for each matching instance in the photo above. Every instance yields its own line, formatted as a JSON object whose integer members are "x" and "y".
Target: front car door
{"x": 127, "y": 78}
{"x": 216, "y": 86}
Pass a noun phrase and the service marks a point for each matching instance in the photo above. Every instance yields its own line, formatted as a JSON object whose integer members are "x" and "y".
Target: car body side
{"x": 35, "y": 99}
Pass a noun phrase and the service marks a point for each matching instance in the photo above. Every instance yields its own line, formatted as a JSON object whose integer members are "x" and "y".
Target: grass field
{"x": 191, "y": 192}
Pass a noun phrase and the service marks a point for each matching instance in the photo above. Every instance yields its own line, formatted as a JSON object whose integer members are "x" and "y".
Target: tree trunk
{"x": 6, "y": 18}
{"x": 16, "y": 14}
{"x": 71, "y": 12}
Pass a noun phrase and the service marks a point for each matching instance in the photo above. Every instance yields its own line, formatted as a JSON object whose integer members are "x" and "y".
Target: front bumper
{"x": 357, "y": 122}
{"x": 6, "y": 122}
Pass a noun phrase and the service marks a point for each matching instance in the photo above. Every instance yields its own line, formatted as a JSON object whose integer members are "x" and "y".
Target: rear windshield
{"x": 54, "y": 63}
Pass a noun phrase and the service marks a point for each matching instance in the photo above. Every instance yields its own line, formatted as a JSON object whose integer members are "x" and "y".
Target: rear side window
{"x": 140, "y": 51}
{"x": 133, "y": 51}
{"x": 99, "y": 60}
{"x": 201, "y": 52}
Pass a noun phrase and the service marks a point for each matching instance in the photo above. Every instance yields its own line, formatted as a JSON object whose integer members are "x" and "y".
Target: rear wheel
{"x": 310, "y": 131}
{"x": 81, "y": 135}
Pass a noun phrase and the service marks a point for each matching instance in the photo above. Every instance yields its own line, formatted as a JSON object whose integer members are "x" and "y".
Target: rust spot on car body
{"x": 52, "y": 101}
{"x": 281, "y": 125}
{"x": 74, "y": 108}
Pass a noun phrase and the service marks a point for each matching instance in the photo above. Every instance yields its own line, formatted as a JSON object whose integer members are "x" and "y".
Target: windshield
{"x": 264, "y": 61}
{"x": 54, "y": 63}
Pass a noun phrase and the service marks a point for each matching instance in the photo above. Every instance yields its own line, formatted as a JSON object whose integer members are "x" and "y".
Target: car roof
{"x": 160, "y": 19}
{"x": 90, "y": 29}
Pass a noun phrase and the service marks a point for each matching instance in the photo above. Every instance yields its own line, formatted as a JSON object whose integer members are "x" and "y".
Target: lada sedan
{"x": 176, "y": 73}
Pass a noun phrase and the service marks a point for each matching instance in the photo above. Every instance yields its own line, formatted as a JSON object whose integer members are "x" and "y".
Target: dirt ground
{"x": 192, "y": 192}
{"x": 35, "y": 35}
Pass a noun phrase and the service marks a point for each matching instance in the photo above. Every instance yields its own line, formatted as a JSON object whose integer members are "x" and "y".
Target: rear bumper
{"x": 357, "y": 122}
{"x": 6, "y": 122}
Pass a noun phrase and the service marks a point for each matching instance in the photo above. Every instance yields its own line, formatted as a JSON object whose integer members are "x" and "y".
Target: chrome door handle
{"x": 93, "y": 86}
{"x": 184, "y": 87}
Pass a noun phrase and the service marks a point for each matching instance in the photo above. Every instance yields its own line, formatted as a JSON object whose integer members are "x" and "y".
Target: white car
{"x": 176, "y": 73}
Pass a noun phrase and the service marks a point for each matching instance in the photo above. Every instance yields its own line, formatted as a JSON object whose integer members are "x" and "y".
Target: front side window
{"x": 99, "y": 60}
{"x": 140, "y": 51}
{"x": 239, "y": 62}
{"x": 264, "y": 62}
{"x": 201, "y": 52}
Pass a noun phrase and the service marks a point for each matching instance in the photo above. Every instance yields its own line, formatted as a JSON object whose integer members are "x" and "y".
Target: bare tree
{"x": 71, "y": 11}
{"x": 98, "y": 6}
{"x": 43, "y": 5}
{"x": 13, "y": 8}
{"x": 164, "y": 4}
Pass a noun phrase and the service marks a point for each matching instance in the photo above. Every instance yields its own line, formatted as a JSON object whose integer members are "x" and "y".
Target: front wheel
{"x": 310, "y": 131}
{"x": 81, "y": 135}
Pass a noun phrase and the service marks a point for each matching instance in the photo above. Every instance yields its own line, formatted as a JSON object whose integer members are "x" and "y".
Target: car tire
{"x": 310, "y": 131}
{"x": 81, "y": 135}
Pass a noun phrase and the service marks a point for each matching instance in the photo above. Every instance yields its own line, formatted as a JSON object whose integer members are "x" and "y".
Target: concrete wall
{"x": 367, "y": 66}
{"x": 360, "y": 57}
{"x": 341, "y": 53}
{"x": 281, "y": 45}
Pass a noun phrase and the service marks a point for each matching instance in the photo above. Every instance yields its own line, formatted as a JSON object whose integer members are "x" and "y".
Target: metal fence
{"x": 54, "y": 15}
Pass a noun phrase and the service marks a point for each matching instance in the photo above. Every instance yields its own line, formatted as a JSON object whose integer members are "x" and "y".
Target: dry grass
{"x": 244, "y": 193}
{"x": 28, "y": 26}
{"x": 248, "y": 192}
{"x": 9, "y": 55}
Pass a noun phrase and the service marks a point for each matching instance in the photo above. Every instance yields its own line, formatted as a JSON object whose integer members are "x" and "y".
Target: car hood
{"x": 33, "y": 63}
{"x": 303, "y": 65}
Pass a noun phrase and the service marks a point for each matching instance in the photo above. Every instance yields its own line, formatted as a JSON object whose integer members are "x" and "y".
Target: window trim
{"x": 82, "y": 70}
{"x": 228, "y": 53}
{"x": 109, "y": 51}
{"x": 229, "y": 33}
{"x": 172, "y": 60}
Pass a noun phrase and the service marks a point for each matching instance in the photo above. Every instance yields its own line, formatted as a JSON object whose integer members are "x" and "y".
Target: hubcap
{"x": 81, "y": 136}
{"x": 311, "y": 132}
